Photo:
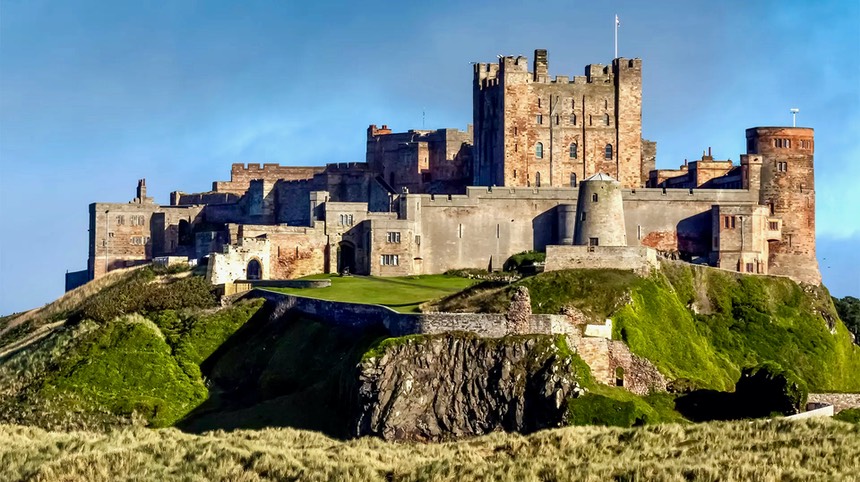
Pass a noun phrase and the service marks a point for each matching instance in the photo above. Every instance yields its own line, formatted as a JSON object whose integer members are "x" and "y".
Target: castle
{"x": 550, "y": 164}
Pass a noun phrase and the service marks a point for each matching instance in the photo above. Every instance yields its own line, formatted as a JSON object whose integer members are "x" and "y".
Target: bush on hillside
{"x": 525, "y": 262}
{"x": 594, "y": 409}
{"x": 142, "y": 293}
{"x": 848, "y": 309}
{"x": 851, "y": 415}
{"x": 762, "y": 391}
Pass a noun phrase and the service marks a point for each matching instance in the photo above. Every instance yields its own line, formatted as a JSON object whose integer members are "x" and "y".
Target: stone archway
{"x": 255, "y": 270}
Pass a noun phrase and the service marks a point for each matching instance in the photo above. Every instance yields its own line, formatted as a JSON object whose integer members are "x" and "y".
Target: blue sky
{"x": 94, "y": 95}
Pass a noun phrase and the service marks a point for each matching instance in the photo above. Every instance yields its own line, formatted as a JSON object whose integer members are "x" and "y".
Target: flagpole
{"x": 616, "y": 36}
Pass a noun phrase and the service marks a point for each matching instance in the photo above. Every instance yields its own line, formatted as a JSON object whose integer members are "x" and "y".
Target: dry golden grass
{"x": 763, "y": 451}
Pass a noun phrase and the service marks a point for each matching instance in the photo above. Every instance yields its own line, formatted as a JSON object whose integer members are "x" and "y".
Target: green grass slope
{"x": 699, "y": 323}
{"x": 403, "y": 294}
{"x": 128, "y": 353}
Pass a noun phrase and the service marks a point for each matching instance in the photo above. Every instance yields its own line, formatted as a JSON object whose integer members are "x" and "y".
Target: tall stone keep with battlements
{"x": 788, "y": 190}
{"x": 531, "y": 130}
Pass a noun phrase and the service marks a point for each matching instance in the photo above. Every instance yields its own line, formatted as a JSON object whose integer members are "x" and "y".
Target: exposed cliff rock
{"x": 454, "y": 385}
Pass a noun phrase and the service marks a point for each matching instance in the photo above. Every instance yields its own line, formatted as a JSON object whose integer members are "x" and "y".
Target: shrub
{"x": 142, "y": 293}
{"x": 768, "y": 388}
{"x": 525, "y": 261}
{"x": 851, "y": 415}
{"x": 594, "y": 409}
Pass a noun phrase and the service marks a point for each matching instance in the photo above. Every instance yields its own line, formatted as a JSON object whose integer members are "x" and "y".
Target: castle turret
{"x": 788, "y": 190}
{"x": 600, "y": 213}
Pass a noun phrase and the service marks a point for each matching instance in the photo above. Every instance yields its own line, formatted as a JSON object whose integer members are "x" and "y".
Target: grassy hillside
{"x": 129, "y": 350}
{"x": 762, "y": 451}
{"x": 697, "y": 323}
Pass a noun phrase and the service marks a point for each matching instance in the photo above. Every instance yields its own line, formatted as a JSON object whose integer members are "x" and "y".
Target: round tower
{"x": 600, "y": 213}
{"x": 788, "y": 189}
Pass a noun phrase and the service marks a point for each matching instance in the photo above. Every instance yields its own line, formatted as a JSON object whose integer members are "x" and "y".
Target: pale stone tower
{"x": 600, "y": 213}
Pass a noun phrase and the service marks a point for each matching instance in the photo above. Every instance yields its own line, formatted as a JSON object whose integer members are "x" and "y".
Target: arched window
{"x": 539, "y": 150}
{"x": 608, "y": 153}
{"x": 573, "y": 150}
{"x": 606, "y": 119}
{"x": 594, "y": 198}
{"x": 537, "y": 180}
{"x": 573, "y": 179}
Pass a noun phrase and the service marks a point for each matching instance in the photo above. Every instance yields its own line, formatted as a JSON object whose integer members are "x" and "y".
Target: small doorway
{"x": 346, "y": 257}
{"x": 255, "y": 270}
{"x": 619, "y": 377}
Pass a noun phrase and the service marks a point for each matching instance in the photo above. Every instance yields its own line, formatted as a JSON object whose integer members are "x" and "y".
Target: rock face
{"x": 439, "y": 387}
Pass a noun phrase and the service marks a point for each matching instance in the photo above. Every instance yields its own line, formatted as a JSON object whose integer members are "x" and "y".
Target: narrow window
{"x": 606, "y": 119}
{"x": 589, "y": 120}
{"x": 537, "y": 179}
{"x": 605, "y": 103}
{"x": 573, "y": 119}
{"x": 573, "y": 179}
{"x": 608, "y": 153}
{"x": 573, "y": 150}
{"x": 733, "y": 222}
{"x": 582, "y": 216}
{"x": 459, "y": 230}
{"x": 515, "y": 173}
{"x": 539, "y": 119}
{"x": 726, "y": 221}
{"x": 593, "y": 242}
{"x": 774, "y": 225}
{"x": 498, "y": 230}
{"x": 515, "y": 130}
{"x": 539, "y": 150}
{"x": 557, "y": 119}
{"x": 538, "y": 101}
{"x": 594, "y": 198}
{"x": 749, "y": 267}
{"x": 393, "y": 236}
{"x": 572, "y": 104}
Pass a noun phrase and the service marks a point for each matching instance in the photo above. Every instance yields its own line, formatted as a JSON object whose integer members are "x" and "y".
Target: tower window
{"x": 573, "y": 119}
{"x": 573, "y": 179}
{"x": 608, "y": 151}
{"x": 537, "y": 179}
{"x": 605, "y": 103}
{"x": 582, "y": 216}
{"x": 573, "y": 150}
{"x": 539, "y": 119}
{"x": 782, "y": 166}
{"x": 594, "y": 198}
{"x": 539, "y": 102}
{"x": 539, "y": 150}
{"x": 606, "y": 119}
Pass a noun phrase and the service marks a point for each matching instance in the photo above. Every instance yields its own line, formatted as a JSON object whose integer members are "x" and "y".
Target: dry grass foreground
{"x": 726, "y": 451}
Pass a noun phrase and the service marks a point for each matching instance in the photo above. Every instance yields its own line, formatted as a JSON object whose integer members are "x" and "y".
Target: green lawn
{"x": 402, "y": 294}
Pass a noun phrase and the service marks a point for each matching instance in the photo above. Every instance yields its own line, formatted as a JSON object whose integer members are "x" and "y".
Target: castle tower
{"x": 532, "y": 129}
{"x": 600, "y": 213}
{"x": 788, "y": 190}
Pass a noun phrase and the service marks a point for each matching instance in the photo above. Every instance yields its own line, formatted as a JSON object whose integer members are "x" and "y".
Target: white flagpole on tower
{"x": 617, "y": 23}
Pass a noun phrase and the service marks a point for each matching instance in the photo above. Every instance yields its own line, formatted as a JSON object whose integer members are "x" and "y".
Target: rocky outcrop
{"x": 438, "y": 387}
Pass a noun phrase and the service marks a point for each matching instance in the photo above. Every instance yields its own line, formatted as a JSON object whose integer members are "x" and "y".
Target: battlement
{"x": 489, "y": 74}
{"x": 347, "y": 166}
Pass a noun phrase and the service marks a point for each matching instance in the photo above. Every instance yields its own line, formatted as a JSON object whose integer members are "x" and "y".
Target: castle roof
{"x": 600, "y": 176}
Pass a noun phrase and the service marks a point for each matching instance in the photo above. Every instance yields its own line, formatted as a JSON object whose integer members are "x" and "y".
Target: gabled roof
{"x": 600, "y": 177}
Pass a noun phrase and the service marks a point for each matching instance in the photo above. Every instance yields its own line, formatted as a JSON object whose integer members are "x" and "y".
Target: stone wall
{"x": 840, "y": 401}
{"x": 241, "y": 176}
{"x": 401, "y": 324}
{"x": 636, "y": 258}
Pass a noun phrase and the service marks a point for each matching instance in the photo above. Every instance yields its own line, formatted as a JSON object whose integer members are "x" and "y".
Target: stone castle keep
{"x": 555, "y": 164}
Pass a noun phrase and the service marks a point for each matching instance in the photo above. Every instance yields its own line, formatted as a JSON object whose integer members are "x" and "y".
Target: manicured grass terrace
{"x": 402, "y": 294}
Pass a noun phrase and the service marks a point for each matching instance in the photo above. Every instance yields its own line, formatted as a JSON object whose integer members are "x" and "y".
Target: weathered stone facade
{"x": 408, "y": 210}
{"x": 531, "y": 130}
